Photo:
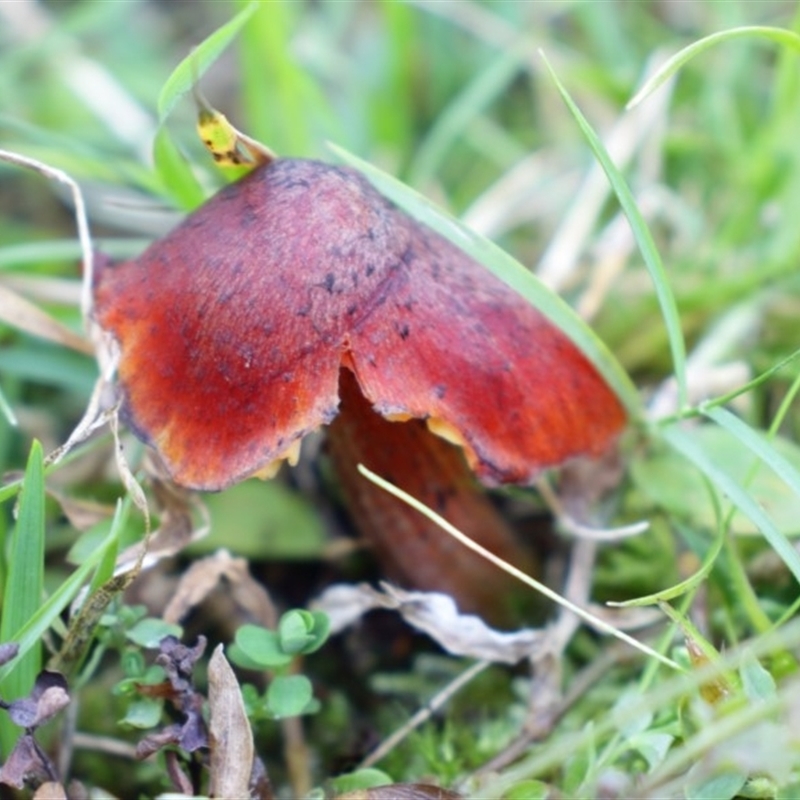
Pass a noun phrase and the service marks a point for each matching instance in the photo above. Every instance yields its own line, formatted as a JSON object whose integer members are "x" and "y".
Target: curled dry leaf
{"x": 437, "y": 615}
{"x": 205, "y": 575}
{"x": 50, "y": 791}
{"x": 229, "y": 733}
{"x": 48, "y": 696}
{"x": 190, "y": 733}
{"x": 176, "y": 531}
{"x": 27, "y": 764}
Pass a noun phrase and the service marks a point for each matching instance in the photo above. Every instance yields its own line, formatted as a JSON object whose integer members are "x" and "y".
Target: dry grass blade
{"x": 17, "y": 312}
{"x": 593, "y": 621}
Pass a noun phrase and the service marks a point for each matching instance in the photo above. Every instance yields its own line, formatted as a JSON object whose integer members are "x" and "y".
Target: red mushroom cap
{"x": 234, "y": 327}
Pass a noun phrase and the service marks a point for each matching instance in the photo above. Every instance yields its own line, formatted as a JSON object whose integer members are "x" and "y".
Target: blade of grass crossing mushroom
{"x": 684, "y": 444}
{"x": 644, "y": 240}
{"x": 23, "y": 590}
{"x": 780, "y": 36}
{"x": 593, "y": 621}
{"x": 508, "y": 269}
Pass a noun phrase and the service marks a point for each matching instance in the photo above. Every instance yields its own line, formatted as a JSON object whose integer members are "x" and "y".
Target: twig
{"x": 424, "y": 714}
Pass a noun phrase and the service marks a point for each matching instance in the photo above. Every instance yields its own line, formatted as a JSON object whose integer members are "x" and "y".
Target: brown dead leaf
{"x": 203, "y": 577}
{"x": 230, "y": 737}
{"x": 50, "y": 791}
{"x": 437, "y": 615}
{"x": 82, "y": 513}
{"x": 176, "y": 531}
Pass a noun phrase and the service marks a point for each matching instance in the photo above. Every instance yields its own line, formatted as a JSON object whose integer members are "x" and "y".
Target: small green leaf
{"x": 528, "y": 790}
{"x": 261, "y": 646}
{"x": 143, "y": 714}
{"x": 358, "y": 780}
{"x": 757, "y": 683}
{"x": 289, "y": 695}
{"x": 194, "y": 66}
{"x": 721, "y": 787}
{"x": 653, "y": 746}
{"x": 150, "y": 631}
{"x": 320, "y": 630}
{"x": 132, "y": 663}
{"x": 295, "y": 631}
{"x": 301, "y": 631}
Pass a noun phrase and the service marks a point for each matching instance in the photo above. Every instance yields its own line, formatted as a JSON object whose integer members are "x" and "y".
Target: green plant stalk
{"x": 22, "y": 595}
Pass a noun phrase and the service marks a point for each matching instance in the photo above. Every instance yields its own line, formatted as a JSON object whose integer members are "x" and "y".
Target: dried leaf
{"x": 48, "y": 696}
{"x": 20, "y": 313}
{"x": 180, "y": 780}
{"x": 27, "y": 764}
{"x": 230, "y": 737}
{"x": 229, "y": 146}
{"x": 8, "y": 651}
{"x": 178, "y": 662}
{"x": 82, "y": 513}
{"x": 176, "y": 531}
{"x": 50, "y": 791}
{"x": 435, "y": 614}
{"x": 203, "y": 577}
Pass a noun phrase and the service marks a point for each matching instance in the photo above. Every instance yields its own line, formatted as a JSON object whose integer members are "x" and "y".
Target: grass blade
{"x": 46, "y": 613}
{"x": 758, "y": 445}
{"x": 595, "y": 622}
{"x": 22, "y": 596}
{"x": 6, "y": 411}
{"x": 684, "y": 443}
{"x": 781, "y": 36}
{"x": 508, "y": 269}
{"x": 450, "y": 124}
{"x": 644, "y": 240}
{"x": 193, "y": 67}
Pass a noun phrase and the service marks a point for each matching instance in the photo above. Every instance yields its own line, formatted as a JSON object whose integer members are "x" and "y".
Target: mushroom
{"x": 300, "y": 297}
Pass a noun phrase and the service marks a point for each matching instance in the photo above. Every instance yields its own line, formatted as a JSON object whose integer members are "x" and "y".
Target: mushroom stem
{"x": 412, "y": 549}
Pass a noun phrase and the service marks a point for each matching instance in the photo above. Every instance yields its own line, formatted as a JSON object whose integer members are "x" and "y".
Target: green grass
{"x": 671, "y": 225}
